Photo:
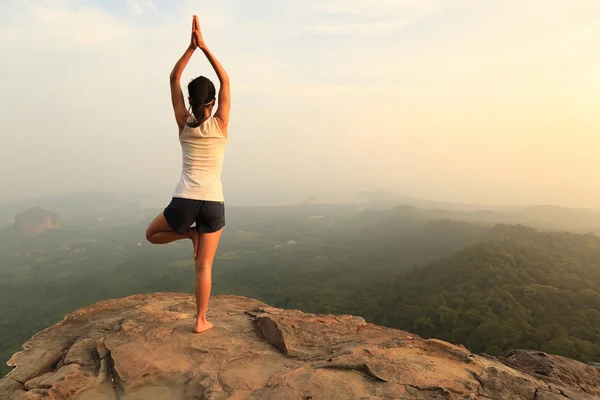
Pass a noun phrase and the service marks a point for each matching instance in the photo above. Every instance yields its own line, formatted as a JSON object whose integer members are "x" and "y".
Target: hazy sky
{"x": 463, "y": 100}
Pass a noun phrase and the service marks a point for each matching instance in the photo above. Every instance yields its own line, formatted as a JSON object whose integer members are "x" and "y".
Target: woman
{"x": 199, "y": 195}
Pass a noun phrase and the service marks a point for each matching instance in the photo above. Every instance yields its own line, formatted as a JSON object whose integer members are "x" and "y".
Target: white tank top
{"x": 203, "y": 150}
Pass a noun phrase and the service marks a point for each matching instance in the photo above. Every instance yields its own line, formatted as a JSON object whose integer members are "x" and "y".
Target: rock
{"x": 83, "y": 352}
{"x": 143, "y": 347}
{"x": 502, "y": 383}
{"x": 34, "y": 361}
{"x": 36, "y": 221}
{"x": 306, "y": 336}
{"x": 555, "y": 370}
{"x": 9, "y": 386}
{"x": 50, "y": 378}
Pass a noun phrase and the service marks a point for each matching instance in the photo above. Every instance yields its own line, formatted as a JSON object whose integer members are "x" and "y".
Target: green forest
{"x": 518, "y": 289}
{"x": 467, "y": 278}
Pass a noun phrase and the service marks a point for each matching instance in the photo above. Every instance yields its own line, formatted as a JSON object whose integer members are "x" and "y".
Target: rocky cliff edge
{"x": 142, "y": 347}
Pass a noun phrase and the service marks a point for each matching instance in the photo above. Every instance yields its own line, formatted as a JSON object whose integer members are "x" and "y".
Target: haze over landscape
{"x": 424, "y": 170}
{"x": 466, "y": 101}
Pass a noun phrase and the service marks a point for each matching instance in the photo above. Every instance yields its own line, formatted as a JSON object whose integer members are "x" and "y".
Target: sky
{"x": 486, "y": 102}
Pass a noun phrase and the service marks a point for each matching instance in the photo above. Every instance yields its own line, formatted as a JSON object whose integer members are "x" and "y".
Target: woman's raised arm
{"x": 181, "y": 112}
{"x": 224, "y": 100}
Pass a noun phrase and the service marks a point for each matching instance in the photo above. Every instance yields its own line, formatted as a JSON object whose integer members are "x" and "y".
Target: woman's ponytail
{"x": 202, "y": 93}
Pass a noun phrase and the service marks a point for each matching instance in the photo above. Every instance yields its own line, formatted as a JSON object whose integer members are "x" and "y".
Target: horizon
{"x": 449, "y": 101}
{"x": 400, "y": 199}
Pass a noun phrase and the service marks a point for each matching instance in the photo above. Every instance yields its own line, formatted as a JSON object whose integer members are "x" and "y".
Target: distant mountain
{"x": 554, "y": 217}
{"x": 551, "y": 218}
{"x": 520, "y": 288}
{"x": 86, "y": 207}
{"x": 36, "y": 221}
{"x": 385, "y": 199}
{"x": 77, "y": 208}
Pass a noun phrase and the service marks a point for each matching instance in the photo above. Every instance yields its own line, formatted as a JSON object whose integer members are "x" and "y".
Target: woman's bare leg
{"x": 159, "y": 232}
{"x": 207, "y": 248}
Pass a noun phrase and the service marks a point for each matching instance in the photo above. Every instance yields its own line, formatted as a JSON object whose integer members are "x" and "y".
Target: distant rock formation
{"x": 36, "y": 221}
{"x": 142, "y": 347}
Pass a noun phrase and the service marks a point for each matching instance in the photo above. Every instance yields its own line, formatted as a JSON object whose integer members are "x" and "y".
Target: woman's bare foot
{"x": 195, "y": 236}
{"x": 203, "y": 326}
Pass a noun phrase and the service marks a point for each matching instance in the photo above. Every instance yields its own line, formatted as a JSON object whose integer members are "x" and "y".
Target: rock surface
{"x": 142, "y": 347}
{"x": 36, "y": 221}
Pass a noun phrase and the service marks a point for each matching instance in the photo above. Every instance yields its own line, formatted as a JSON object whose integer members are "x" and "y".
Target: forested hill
{"x": 518, "y": 289}
{"x": 488, "y": 287}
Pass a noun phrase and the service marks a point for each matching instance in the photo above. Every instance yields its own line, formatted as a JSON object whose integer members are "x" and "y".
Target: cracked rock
{"x": 143, "y": 347}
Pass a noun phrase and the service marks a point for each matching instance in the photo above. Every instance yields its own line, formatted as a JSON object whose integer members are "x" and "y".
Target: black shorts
{"x": 209, "y": 216}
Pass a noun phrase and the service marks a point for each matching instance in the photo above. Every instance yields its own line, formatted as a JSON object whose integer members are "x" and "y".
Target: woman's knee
{"x": 149, "y": 233}
{"x": 154, "y": 227}
{"x": 203, "y": 265}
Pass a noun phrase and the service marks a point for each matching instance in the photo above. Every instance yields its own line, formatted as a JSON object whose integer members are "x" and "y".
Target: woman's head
{"x": 201, "y": 97}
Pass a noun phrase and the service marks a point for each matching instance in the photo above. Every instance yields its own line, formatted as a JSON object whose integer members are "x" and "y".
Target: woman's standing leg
{"x": 207, "y": 248}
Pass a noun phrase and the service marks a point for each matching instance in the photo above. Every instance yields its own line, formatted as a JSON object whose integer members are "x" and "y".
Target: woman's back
{"x": 203, "y": 150}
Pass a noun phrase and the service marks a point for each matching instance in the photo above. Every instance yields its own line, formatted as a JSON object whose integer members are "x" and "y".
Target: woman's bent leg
{"x": 159, "y": 232}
